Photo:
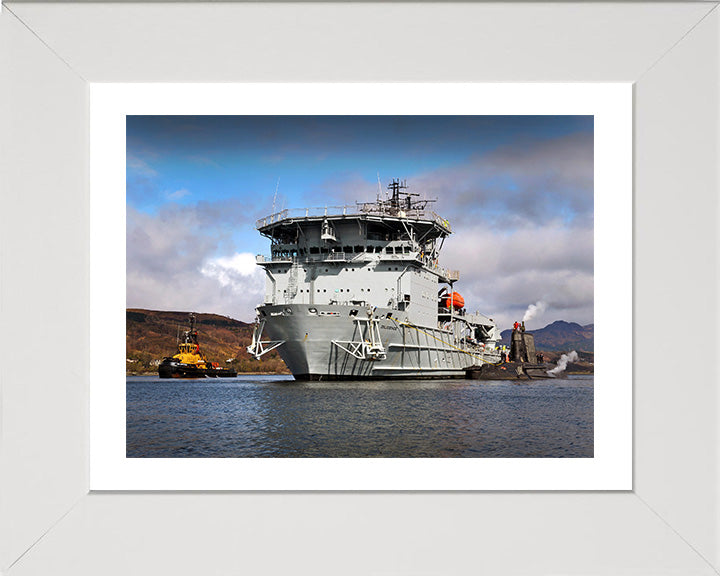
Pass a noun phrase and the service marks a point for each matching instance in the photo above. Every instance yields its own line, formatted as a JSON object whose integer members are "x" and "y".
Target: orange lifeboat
{"x": 453, "y": 299}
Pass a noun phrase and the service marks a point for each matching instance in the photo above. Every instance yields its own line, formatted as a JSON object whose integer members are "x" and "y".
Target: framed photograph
{"x": 77, "y": 74}
{"x": 569, "y": 149}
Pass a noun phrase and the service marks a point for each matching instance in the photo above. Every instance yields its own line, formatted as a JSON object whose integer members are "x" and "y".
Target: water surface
{"x": 274, "y": 416}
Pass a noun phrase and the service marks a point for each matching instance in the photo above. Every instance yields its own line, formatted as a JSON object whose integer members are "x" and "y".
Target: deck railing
{"x": 350, "y": 210}
{"x": 450, "y": 275}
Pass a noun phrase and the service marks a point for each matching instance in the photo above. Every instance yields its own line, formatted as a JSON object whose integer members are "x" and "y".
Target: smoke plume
{"x": 563, "y": 362}
{"x": 534, "y": 310}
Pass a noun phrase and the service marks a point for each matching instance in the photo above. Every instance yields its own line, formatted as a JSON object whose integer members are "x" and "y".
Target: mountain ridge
{"x": 560, "y": 336}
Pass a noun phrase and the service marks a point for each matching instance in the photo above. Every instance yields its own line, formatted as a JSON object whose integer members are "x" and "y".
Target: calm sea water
{"x": 274, "y": 416}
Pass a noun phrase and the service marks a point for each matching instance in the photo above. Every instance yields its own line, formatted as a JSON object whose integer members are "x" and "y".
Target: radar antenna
{"x": 400, "y": 200}
{"x": 397, "y": 202}
{"x": 277, "y": 187}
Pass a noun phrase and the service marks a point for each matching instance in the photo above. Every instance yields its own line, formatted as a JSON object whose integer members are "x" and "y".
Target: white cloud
{"x": 502, "y": 274}
{"x": 523, "y": 220}
{"x": 171, "y": 265}
{"x": 510, "y": 187}
{"x": 140, "y": 166}
{"x": 534, "y": 310}
{"x": 233, "y": 271}
{"x": 177, "y": 194}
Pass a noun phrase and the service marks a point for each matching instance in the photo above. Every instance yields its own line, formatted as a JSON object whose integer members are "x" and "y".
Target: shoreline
{"x": 568, "y": 373}
{"x": 154, "y": 373}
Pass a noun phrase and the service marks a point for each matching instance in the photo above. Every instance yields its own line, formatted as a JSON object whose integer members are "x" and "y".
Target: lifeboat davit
{"x": 455, "y": 299}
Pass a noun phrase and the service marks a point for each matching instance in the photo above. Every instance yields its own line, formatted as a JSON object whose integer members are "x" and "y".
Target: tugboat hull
{"x": 220, "y": 373}
{"x": 170, "y": 368}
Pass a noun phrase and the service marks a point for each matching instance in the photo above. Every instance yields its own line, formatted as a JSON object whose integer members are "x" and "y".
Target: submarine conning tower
{"x": 522, "y": 345}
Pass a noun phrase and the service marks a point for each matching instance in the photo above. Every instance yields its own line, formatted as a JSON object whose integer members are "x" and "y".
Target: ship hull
{"x": 510, "y": 371}
{"x": 326, "y": 343}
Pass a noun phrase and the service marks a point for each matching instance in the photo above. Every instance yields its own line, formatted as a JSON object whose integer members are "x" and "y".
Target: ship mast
{"x": 395, "y": 186}
{"x": 400, "y": 200}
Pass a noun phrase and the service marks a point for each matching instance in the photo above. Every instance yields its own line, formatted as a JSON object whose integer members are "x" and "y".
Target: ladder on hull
{"x": 258, "y": 347}
{"x": 369, "y": 346}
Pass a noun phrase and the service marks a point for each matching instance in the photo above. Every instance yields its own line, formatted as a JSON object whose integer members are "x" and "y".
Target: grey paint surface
{"x": 356, "y": 295}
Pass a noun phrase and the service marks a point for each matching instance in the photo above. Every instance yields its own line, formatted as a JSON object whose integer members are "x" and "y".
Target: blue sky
{"x": 520, "y": 185}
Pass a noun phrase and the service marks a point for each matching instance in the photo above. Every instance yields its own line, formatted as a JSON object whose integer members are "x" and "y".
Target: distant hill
{"x": 151, "y": 335}
{"x": 561, "y": 336}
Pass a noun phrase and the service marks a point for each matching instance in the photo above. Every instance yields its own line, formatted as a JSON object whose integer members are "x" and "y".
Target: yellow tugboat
{"x": 190, "y": 361}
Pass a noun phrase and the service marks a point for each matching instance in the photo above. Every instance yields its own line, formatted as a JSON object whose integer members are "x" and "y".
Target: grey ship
{"x": 356, "y": 292}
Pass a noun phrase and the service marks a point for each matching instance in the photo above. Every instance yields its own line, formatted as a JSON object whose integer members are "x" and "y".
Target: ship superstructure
{"x": 358, "y": 292}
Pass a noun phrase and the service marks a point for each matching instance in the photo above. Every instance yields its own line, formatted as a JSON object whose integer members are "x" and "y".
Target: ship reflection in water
{"x": 274, "y": 416}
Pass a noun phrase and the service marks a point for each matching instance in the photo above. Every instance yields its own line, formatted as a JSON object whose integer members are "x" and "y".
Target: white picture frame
{"x": 668, "y": 524}
{"x": 610, "y": 468}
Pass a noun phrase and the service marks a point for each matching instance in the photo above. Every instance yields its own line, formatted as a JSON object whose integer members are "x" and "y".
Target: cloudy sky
{"x": 518, "y": 191}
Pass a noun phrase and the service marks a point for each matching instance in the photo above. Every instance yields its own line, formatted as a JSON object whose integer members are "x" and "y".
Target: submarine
{"x": 522, "y": 362}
